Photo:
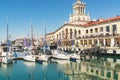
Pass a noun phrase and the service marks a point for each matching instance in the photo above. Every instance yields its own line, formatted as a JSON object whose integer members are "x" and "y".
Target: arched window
{"x": 66, "y": 35}
{"x": 75, "y": 33}
{"x": 114, "y": 29}
{"x": 71, "y": 33}
{"x": 79, "y": 32}
{"x": 107, "y": 28}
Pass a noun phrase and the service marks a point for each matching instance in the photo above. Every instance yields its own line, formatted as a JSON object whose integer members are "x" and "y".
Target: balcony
{"x": 98, "y": 36}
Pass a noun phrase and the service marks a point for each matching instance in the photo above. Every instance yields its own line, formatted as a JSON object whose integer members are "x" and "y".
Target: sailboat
{"x": 7, "y": 59}
{"x": 60, "y": 55}
{"x": 44, "y": 57}
{"x": 30, "y": 56}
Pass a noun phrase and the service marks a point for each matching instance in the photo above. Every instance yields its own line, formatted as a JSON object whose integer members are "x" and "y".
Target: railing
{"x": 97, "y": 36}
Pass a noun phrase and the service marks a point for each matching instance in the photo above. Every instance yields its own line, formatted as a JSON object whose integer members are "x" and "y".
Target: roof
{"x": 90, "y": 23}
{"x": 50, "y": 33}
{"x": 102, "y": 21}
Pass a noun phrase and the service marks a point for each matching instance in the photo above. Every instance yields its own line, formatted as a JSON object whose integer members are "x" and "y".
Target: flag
{"x": 25, "y": 42}
{"x": 59, "y": 42}
{"x": 9, "y": 43}
{"x": 73, "y": 42}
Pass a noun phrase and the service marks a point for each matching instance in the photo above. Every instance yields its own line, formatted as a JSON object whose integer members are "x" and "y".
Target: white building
{"x": 82, "y": 32}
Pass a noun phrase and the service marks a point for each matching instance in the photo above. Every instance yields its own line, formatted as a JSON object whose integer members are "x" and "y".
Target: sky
{"x": 52, "y": 13}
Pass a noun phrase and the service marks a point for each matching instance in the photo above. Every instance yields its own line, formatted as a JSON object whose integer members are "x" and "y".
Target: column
{"x": 112, "y": 74}
{"x": 99, "y": 72}
{"x": 112, "y": 42}
{"x": 98, "y": 42}
{"x": 87, "y": 42}
{"x": 105, "y": 73}
{"x": 81, "y": 10}
{"x": 92, "y": 42}
{"x": 84, "y": 44}
{"x": 104, "y": 42}
{"x": 118, "y": 75}
{"x": 94, "y": 72}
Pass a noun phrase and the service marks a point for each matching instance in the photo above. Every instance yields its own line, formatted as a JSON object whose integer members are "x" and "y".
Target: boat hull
{"x": 6, "y": 60}
{"x": 29, "y": 58}
{"x": 61, "y": 57}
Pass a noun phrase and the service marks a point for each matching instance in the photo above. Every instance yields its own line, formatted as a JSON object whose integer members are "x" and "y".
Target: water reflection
{"x": 92, "y": 68}
{"x": 5, "y": 71}
{"x": 22, "y": 70}
{"x": 95, "y": 68}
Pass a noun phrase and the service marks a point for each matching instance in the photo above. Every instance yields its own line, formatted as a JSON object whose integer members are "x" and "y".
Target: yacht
{"x": 60, "y": 55}
{"x": 7, "y": 59}
{"x": 29, "y": 55}
{"x": 44, "y": 58}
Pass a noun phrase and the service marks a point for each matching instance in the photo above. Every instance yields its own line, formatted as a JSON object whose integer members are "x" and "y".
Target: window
{"x": 91, "y": 30}
{"x": 96, "y": 30}
{"x": 101, "y": 29}
{"x": 114, "y": 28}
{"x": 71, "y": 34}
{"x": 107, "y": 29}
{"x": 79, "y": 32}
{"x": 66, "y": 34}
{"x": 86, "y": 31}
{"x": 75, "y": 32}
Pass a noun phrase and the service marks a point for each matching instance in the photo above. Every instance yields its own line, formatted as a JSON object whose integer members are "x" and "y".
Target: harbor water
{"x": 88, "y": 68}
{"x": 22, "y": 70}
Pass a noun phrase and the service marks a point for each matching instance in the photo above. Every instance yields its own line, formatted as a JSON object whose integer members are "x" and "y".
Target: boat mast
{"x": 31, "y": 34}
{"x": 7, "y": 40}
{"x": 45, "y": 40}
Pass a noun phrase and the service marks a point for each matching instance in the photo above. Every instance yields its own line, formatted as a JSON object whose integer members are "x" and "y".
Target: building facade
{"x": 82, "y": 32}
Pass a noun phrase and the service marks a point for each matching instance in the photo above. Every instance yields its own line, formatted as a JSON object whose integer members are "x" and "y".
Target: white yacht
{"x": 60, "y": 55}
{"x": 4, "y": 54}
{"x": 7, "y": 59}
{"x": 43, "y": 57}
{"x": 30, "y": 56}
{"x": 75, "y": 56}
